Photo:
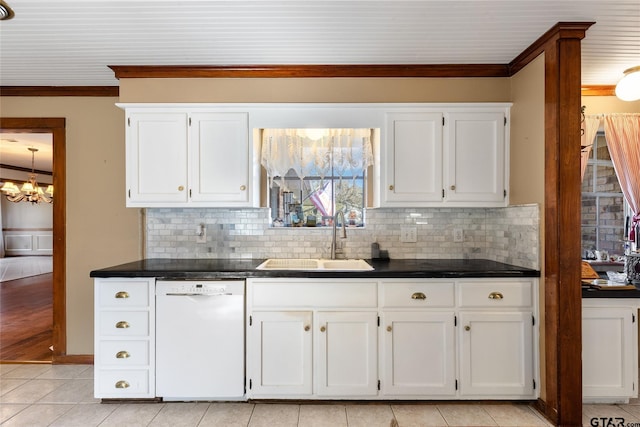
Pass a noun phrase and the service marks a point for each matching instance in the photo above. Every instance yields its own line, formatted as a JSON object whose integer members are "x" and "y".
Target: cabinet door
{"x": 220, "y": 158}
{"x": 496, "y": 354}
{"x": 419, "y": 353}
{"x": 347, "y": 353}
{"x": 279, "y": 354}
{"x": 413, "y": 159}
{"x": 608, "y": 352}
{"x": 156, "y": 158}
{"x": 475, "y": 157}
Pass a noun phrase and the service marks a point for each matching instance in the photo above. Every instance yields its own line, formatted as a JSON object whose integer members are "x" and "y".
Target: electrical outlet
{"x": 201, "y": 234}
{"x": 408, "y": 234}
{"x": 458, "y": 235}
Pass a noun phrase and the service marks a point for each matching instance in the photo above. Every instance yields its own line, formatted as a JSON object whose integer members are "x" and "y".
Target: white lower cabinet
{"x": 391, "y": 339}
{"x": 347, "y": 356}
{"x": 609, "y": 350}
{"x": 280, "y": 359}
{"x": 496, "y": 354}
{"x": 419, "y": 354}
{"x": 124, "y": 350}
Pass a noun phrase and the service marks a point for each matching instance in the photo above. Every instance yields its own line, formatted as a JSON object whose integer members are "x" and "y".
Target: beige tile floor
{"x": 62, "y": 395}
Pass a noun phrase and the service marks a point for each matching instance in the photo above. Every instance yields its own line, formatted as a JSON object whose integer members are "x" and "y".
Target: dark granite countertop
{"x": 203, "y": 269}
{"x": 592, "y": 292}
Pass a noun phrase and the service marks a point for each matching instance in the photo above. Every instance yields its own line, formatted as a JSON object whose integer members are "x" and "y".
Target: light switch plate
{"x": 408, "y": 234}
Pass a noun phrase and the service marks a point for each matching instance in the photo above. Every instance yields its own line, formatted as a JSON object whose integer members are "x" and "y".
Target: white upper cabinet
{"x": 156, "y": 158}
{"x": 454, "y": 157}
{"x": 219, "y": 157}
{"x": 413, "y": 159}
{"x": 475, "y": 157}
{"x": 177, "y": 157}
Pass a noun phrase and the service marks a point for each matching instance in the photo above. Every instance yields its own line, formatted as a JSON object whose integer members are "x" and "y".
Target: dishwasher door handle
{"x": 173, "y": 294}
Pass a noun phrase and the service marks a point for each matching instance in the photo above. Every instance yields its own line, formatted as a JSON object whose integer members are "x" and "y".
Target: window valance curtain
{"x": 316, "y": 152}
{"x": 622, "y": 132}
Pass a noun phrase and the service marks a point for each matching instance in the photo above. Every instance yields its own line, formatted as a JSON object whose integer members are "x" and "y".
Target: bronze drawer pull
{"x": 122, "y": 294}
{"x": 122, "y": 355}
{"x": 122, "y": 325}
{"x": 419, "y": 295}
{"x": 122, "y": 384}
{"x": 496, "y": 295}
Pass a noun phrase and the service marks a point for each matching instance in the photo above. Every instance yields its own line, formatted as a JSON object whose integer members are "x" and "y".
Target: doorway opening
{"x": 56, "y": 128}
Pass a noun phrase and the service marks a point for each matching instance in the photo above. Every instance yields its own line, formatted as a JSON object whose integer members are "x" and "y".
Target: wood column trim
{"x": 55, "y": 126}
{"x": 563, "y": 299}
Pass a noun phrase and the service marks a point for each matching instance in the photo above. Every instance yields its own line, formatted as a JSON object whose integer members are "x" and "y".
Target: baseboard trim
{"x": 76, "y": 359}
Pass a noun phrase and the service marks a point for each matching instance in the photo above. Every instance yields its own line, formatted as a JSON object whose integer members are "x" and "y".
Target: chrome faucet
{"x": 343, "y": 236}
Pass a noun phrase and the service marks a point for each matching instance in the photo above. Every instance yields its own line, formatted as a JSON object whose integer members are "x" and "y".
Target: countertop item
{"x": 204, "y": 269}
{"x": 593, "y": 292}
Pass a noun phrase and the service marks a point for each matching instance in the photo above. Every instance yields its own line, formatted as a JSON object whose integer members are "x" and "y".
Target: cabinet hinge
{"x": 443, "y": 193}
{"x": 128, "y": 121}
{"x": 250, "y": 323}
{"x": 378, "y": 384}
{"x": 129, "y": 193}
{"x": 250, "y": 384}
{"x": 189, "y": 121}
{"x": 443, "y": 121}
{"x": 633, "y": 318}
{"x": 456, "y": 384}
{"x": 455, "y": 320}
{"x": 533, "y": 320}
{"x": 189, "y": 193}
{"x": 378, "y": 321}
{"x": 534, "y": 384}
{"x": 504, "y": 193}
{"x": 505, "y": 121}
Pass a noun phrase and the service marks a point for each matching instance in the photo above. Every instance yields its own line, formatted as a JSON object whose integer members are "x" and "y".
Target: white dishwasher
{"x": 200, "y": 340}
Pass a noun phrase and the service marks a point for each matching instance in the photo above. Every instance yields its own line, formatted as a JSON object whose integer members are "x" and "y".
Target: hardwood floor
{"x": 26, "y": 319}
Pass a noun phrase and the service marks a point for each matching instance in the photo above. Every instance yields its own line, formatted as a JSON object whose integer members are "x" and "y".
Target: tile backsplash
{"x": 509, "y": 234}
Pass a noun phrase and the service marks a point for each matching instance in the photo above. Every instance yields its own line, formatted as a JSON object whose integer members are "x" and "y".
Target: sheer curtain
{"x": 317, "y": 152}
{"x": 623, "y": 137}
{"x": 591, "y": 125}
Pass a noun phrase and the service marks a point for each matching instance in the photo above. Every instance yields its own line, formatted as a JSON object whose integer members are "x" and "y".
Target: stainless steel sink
{"x": 315, "y": 264}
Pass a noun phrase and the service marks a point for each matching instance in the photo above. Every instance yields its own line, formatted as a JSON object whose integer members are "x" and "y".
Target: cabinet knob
{"x": 495, "y": 295}
{"x": 307, "y": 327}
{"x": 122, "y": 294}
{"x": 181, "y": 188}
{"x": 122, "y": 325}
{"x": 467, "y": 328}
{"x": 389, "y": 328}
{"x": 322, "y": 328}
{"x": 418, "y": 295}
{"x": 453, "y": 188}
{"x": 243, "y": 187}
{"x": 391, "y": 187}
{"x": 122, "y": 355}
{"x": 122, "y": 384}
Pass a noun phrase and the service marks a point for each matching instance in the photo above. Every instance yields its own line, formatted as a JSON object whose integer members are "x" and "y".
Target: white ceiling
{"x": 71, "y": 42}
{"x": 14, "y": 150}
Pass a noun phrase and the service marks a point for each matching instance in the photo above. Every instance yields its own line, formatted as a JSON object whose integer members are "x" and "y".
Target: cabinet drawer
{"x": 123, "y": 353}
{"x": 124, "y": 323}
{"x": 321, "y": 294}
{"x": 123, "y": 293}
{"x": 418, "y": 294}
{"x": 122, "y": 383}
{"x": 495, "y": 294}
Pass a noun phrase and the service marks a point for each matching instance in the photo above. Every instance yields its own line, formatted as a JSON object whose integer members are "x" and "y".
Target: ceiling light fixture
{"x": 30, "y": 191}
{"x": 5, "y": 11}
{"x": 628, "y": 88}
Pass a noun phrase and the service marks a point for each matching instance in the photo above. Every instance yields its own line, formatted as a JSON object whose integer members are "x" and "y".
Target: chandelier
{"x": 30, "y": 191}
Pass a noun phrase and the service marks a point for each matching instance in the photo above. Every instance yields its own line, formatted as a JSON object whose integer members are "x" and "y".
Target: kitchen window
{"x": 603, "y": 204}
{"x": 315, "y": 173}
